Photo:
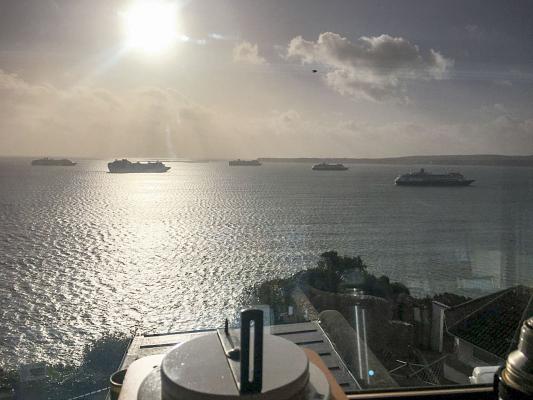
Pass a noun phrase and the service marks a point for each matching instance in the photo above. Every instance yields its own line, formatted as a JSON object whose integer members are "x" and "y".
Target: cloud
{"x": 503, "y": 82}
{"x": 375, "y": 68}
{"x": 13, "y": 88}
{"x": 474, "y": 31}
{"x": 500, "y": 108}
{"x": 246, "y": 52}
{"x": 286, "y": 121}
{"x": 498, "y": 134}
{"x": 339, "y": 136}
{"x": 40, "y": 119}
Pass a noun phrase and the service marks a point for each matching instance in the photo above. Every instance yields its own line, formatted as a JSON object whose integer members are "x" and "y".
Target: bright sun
{"x": 150, "y": 26}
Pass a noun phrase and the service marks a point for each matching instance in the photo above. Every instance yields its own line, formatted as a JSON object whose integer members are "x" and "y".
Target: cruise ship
{"x": 329, "y": 167}
{"x": 125, "y": 166}
{"x": 50, "y": 162}
{"x": 423, "y": 178}
{"x": 244, "y": 163}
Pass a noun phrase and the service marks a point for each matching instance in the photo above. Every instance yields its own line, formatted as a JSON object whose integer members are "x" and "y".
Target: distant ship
{"x": 49, "y": 162}
{"x": 423, "y": 178}
{"x": 125, "y": 166}
{"x": 329, "y": 167}
{"x": 244, "y": 163}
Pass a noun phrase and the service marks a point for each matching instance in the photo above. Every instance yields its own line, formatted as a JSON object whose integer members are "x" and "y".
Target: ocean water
{"x": 84, "y": 252}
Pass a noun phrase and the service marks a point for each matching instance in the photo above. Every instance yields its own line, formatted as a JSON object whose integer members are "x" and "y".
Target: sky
{"x": 234, "y": 78}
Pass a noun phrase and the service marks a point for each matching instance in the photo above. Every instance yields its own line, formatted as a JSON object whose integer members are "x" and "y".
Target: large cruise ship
{"x": 244, "y": 163}
{"x": 423, "y": 178}
{"x": 125, "y": 166}
{"x": 329, "y": 167}
{"x": 50, "y": 162}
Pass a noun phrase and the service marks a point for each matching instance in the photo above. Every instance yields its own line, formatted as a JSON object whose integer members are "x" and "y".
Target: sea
{"x": 84, "y": 253}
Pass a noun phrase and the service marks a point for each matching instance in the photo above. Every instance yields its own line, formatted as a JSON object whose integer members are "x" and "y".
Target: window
{"x": 359, "y": 170}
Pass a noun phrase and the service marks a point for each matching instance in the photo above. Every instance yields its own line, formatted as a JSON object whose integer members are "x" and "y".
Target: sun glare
{"x": 150, "y": 26}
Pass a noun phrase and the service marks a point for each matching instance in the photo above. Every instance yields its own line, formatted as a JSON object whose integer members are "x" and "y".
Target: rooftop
{"x": 492, "y": 322}
{"x": 307, "y": 335}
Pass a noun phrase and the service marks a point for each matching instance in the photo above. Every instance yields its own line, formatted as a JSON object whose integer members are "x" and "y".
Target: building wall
{"x": 437, "y": 326}
{"x": 474, "y": 356}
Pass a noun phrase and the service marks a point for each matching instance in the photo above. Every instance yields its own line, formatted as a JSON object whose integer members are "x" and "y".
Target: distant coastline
{"x": 469, "y": 159}
{"x": 475, "y": 159}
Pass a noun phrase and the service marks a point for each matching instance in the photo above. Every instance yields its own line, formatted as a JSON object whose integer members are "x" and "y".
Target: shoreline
{"x": 470, "y": 160}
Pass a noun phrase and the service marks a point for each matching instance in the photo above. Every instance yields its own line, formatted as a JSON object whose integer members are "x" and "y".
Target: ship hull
{"x": 244, "y": 164}
{"x": 329, "y": 169}
{"x": 137, "y": 171}
{"x": 40, "y": 163}
{"x": 435, "y": 183}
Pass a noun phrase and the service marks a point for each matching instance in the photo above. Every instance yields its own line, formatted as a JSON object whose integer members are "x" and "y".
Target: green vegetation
{"x": 329, "y": 272}
{"x": 334, "y": 273}
{"x": 275, "y": 293}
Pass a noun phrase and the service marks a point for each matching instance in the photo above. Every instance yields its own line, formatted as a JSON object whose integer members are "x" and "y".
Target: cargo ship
{"x": 329, "y": 167}
{"x": 423, "y": 178}
{"x": 244, "y": 163}
{"x": 51, "y": 162}
{"x": 125, "y": 166}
